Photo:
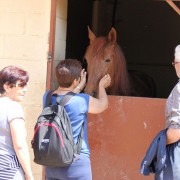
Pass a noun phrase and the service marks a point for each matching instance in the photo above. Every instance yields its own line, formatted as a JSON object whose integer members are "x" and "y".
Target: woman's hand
{"x": 105, "y": 81}
{"x": 173, "y": 135}
{"x": 82, "y": 83}
{"x": 98, "y": 105}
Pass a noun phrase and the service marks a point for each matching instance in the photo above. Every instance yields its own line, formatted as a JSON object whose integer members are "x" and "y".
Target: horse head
{"x": 104, "y": 56}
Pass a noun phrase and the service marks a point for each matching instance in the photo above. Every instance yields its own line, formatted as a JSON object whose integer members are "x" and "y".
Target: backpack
{"x": 53, "y": 143}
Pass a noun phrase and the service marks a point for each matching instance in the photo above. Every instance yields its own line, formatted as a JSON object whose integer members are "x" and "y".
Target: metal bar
{"x": 173, "y": 6}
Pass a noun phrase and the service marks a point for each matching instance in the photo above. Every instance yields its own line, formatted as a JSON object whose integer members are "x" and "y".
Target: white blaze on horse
{"x": 104, "y": 56}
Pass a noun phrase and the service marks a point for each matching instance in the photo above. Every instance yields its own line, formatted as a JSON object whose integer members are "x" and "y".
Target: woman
{"x": 14, "y": 154}
{"x": 71, "y": 77}
{"x": 172, "y": 169}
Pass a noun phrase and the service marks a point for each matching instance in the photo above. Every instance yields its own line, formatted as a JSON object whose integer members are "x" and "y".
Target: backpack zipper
{"x": 50, "y": 124}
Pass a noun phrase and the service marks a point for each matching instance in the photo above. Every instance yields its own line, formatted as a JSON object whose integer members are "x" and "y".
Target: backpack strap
{"x": 48, "y": 96}
{"x": 65, "y": 98}
{"x": 62, "y": 102}
{"x": 79, "y": 142}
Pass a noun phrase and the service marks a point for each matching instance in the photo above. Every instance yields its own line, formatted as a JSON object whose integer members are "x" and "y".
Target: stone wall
{"x": 24, "y": 36}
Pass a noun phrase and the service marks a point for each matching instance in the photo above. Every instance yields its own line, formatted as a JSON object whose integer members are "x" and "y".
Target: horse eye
{"x": 107, "y": 60}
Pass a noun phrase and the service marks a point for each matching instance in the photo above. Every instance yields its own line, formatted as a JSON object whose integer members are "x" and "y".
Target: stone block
{"x": 26, "y": 47}
{"x": 38, "y": 24}
{"x": 12, "y": 23}
{"x": 61, "y": 10}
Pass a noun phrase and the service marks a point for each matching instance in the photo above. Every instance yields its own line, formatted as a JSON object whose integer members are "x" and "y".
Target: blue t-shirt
{"x": 77, "y": 109}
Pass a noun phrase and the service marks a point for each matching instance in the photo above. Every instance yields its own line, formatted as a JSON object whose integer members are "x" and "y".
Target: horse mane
{"x": 120, "y": 74}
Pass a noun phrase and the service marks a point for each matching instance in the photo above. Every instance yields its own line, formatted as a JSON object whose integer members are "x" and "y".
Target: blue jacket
{"x": 155, "y": 158}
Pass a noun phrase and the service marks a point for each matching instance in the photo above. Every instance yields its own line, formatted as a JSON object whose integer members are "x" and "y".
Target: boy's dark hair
{"x": 67, "y": 71}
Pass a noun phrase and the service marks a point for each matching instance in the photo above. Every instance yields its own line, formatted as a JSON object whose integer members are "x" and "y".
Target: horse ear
{"x": 92, "y": 37}
{"x": 112, "y": 35}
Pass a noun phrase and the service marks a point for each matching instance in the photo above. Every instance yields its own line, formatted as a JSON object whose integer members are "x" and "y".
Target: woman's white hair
{"x": 177, "y": 53}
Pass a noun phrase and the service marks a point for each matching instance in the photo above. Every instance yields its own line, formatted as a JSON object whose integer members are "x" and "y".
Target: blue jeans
{"x": 78, "y": 170}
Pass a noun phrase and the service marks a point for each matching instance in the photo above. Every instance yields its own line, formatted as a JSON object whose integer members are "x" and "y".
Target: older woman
{"x": 172, "y": 169}
{"x": 163, "y": 155}
{"x": 14, "y": 154}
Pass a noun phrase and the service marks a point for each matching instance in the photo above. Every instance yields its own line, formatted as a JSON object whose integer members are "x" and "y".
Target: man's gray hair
{"x": 177, "y": 53}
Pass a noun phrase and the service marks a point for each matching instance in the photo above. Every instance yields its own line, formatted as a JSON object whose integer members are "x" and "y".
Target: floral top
{"x": 173, "y": 108}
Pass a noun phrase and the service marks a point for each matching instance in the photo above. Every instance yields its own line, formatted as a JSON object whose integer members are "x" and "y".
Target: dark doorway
{"x": 147, "y": 31}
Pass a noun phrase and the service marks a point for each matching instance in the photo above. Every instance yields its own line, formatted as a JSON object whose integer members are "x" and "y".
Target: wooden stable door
{"x": 120, "y": 136}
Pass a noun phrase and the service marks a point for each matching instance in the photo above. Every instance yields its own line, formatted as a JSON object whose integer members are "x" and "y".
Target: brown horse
{"x": 103, "y": 56}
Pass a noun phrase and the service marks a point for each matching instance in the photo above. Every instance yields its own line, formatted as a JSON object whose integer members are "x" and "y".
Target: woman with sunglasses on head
{"x": 14, "y": 153}
{"x": 172, "y": 169}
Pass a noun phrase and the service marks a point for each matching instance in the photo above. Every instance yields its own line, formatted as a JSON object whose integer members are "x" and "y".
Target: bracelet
{"x": 78, "y": 88}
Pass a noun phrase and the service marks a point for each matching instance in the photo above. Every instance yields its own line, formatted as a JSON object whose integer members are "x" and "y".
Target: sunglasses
{"x": 174, "y": 63}
{"x": 20, "y": 84}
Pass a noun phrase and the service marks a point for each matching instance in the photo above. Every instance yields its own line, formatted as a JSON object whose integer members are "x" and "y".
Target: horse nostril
{"x": 94, "y": 94}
